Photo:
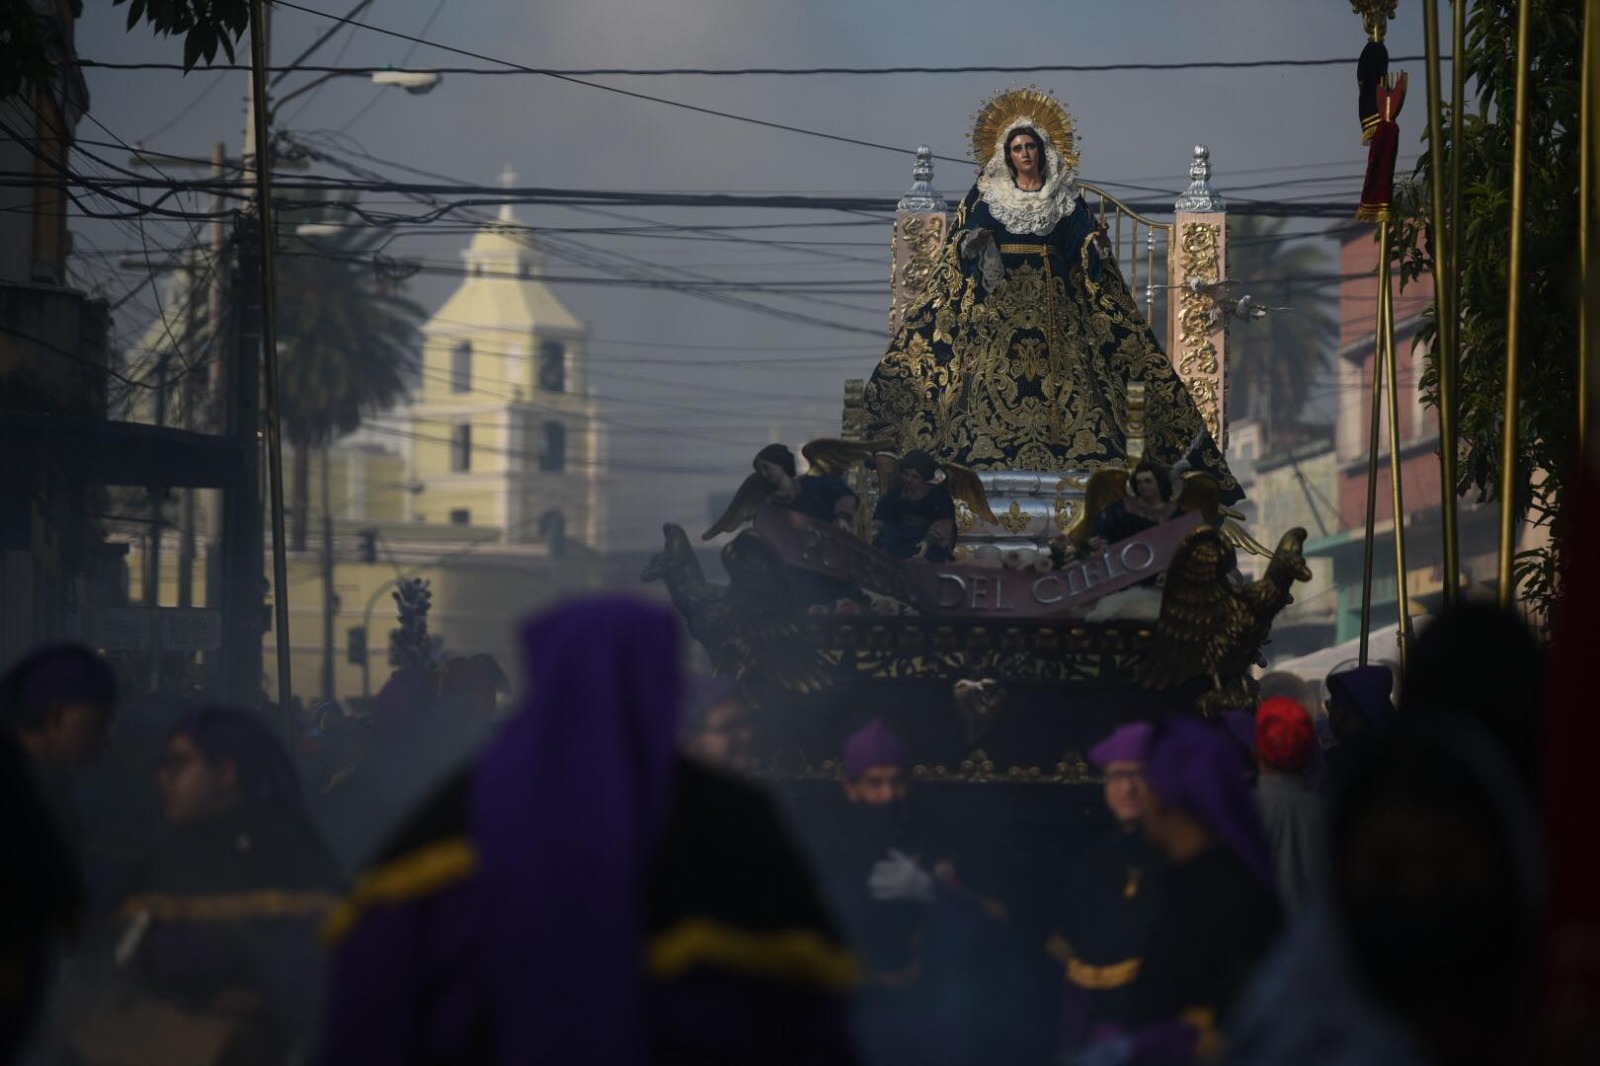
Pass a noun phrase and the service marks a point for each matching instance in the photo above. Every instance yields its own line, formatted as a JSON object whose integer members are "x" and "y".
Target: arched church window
{"x": 553, "y": 457}
{"x": 553, "y": 531}
{"x": 552, "y": 366}
{"x": 461, "y": 367}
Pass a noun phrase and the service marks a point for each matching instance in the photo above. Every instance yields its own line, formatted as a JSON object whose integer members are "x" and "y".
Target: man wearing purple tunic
{"x": 1220, "y": 913}
{"x": 584, "y": 894}
{"x": 928, "y": 944}
{"x": 1112, "y": 901}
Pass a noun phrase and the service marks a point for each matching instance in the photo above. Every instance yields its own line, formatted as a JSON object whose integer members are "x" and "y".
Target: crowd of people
{"x": 1327, "y": 879}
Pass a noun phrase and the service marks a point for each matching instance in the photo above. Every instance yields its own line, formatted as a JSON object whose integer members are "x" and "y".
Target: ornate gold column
{"x": 920, "y": 223}
{"x": 1197, "y": 265}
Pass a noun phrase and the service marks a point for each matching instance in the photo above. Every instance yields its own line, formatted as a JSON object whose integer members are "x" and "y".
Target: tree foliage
{"x": 1547, "y": 409}
{"x": 205, "y": 25}
{"x": 32, "y": 45}
{"x": 1274, "y": 363}
{"x": 347, "y": 337}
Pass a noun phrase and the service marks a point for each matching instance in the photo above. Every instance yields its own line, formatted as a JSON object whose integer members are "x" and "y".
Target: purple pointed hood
{"x": 1196, "y": 766}
{"x": 875, "y": 744}
{"x": 569, "y": 804}
{"x": 1127, "y": 743}
{"x": 1369, "y": 689}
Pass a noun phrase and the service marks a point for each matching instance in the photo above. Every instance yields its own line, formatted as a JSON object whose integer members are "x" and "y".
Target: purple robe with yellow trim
{"x": 583, "y": 894}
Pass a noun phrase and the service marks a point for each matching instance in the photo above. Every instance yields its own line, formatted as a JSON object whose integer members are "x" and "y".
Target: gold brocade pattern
{"x": 1197, "y": 363}
{"x": 1034, "y": 373}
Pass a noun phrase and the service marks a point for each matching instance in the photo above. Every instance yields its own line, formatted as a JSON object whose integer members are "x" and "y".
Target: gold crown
{"x": 1015, "y": 107}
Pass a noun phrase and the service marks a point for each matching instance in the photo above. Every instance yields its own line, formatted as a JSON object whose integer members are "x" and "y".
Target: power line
{"x": 506, "y": 67}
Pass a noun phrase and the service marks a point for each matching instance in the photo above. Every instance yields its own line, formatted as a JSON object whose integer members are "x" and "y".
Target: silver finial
{"x": 922, "y": 196}
{"x": 1200, "y": 196}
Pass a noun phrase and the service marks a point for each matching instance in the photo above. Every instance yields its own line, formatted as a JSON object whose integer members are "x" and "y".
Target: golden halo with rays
{"x": 1004, "y": 110}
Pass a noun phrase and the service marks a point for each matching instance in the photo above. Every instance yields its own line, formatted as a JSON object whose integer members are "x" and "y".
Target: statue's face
{"x": 1023, "y": 149}
{"x": 913, "y": 484}
{"x": 772, "y": 473}
{"x": 1146, "y": 487}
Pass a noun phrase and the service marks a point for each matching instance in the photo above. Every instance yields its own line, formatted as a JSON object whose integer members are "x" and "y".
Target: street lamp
{"x": 415, "y": 82}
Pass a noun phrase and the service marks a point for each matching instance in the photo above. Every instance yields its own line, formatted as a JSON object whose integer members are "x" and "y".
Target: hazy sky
{"x": 696, "y": 382}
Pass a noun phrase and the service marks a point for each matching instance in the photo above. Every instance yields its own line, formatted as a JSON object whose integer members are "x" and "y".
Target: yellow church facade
{"x": 504, "y": 433}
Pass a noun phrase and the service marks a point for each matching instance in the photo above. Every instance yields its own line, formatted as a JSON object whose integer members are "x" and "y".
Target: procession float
{"x": 1021, "y": 536}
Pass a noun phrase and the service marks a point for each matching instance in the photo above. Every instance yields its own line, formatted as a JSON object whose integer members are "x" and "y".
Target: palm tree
{"x": 347, "y": 338}
{"x": 1274, "y": 363}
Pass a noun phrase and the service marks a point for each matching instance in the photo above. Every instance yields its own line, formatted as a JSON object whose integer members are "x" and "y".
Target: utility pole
{"x": 242, "y": 582}
{"x": 188, "y": 416}
{"x": 152, "y": 562}
{"x": 261, "y": 166}
{"x": 330, "y": 597}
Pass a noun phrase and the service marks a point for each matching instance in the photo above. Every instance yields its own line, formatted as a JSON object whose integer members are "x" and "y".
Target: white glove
{"x": 899, "y": 877}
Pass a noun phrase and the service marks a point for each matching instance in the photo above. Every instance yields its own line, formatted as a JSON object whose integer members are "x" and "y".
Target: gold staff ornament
{"x": 1025, "y": 107}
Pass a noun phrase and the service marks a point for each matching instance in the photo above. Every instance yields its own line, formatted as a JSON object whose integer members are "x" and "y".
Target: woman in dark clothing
{"x": 917, "y": 518}
{"x": 226, "y": 916}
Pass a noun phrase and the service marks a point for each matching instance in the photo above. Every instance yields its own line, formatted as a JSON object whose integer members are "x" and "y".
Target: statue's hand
{"x": 973, "y": 242}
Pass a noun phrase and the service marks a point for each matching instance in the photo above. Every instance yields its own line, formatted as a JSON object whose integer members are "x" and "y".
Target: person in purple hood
{"x": 1220, "y": 913}
{"x": 582, "y": 893}
{"x": 1360, "y": 715}
{"x": 1112, "y": 901}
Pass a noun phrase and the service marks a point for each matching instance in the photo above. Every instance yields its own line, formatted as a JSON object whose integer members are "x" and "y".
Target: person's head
{"x": 875, "y": 766}
{"x": 1436, "y": 887}
{"x": 1286, "y": 738}
{"x": 60, "y": 699}
{"x": 1359, "y": 703}
{"x": 917, "y": 472}
{"x": 218, "y": 759}
{"x": 472, "y": 685}
{"x": 1282, "y": 683}
{"x": 1025, "y": 155}
{"x": 775, "y": 464}
{"x": 718, "y": 726}
{"x": 1449, "y": 674}
{"x": 1151, "y": 483}
{"x": 1120, "y": 758}
{"x": 1198, "y": 797}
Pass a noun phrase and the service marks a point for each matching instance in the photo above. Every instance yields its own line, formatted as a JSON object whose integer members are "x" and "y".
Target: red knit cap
{"x": 1285, "y": 735}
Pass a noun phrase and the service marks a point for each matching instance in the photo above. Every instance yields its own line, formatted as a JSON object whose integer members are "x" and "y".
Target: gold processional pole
{"x": 1387, "y": 356}
{"x": 1374, "y": 421}
{"x": 1519, "y": 196}
{"x": 1589, "y": 113}
{"x": 1445, "y": 345}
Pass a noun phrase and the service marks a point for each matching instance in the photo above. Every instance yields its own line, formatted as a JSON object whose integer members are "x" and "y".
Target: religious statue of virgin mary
{"x": 1018, "y": 353}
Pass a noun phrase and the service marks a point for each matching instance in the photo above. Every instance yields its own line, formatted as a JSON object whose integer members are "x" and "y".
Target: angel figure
{"x": 822, "y": 495}
{"x": 1147, "y": 506}
{"x": 1112, "y": 513}
{"x": 916, "y": 517}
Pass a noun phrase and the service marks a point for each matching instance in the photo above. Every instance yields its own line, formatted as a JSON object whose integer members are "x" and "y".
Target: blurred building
{"x": 54, "y": 367}
{"x": 1418, "y": 445}
{"x": 1289, "y": 485}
